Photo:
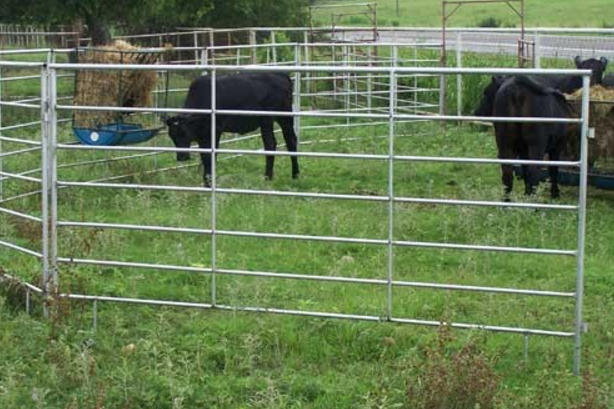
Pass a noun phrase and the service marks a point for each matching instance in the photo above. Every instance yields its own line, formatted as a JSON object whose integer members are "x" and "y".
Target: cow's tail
{"x": 517, "y": 99}
{"x": 288, "y": 88}
{"x": 535, "y": 85}
{"x": 540, "y": 89}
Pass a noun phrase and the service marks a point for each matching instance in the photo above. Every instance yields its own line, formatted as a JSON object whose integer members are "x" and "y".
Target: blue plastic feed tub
{"x": 571, "y": 177}
{"x": 114, "y": 134}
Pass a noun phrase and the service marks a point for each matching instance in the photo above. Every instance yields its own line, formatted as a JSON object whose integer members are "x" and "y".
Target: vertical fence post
{"x": 273, "y": 47}
{"x": 213, "y": 188}
{"x": 369, "y": 78}
{"x": 357, "y": 77}
{"x": 196, "y": 47}
{"x": 211, "y": 38}
{"x": 346, "y": 84}
{"x": 537, "y": 53}
{"x": 306, "y": 60}
{"x": 334, "y": 62}
{"x": 459, "y": 77}
{"x": 1, "y": 162}
{"x": 415, "y": 110}
{"x": 95, "y": 315}
{"x": 252, "y": 43}
{"x": 442, "y": 95}
{"x": 204, "y": 59}
{"x": 297, "y": 93}
{"x": 391, "y": 113}
{"x": 28, "y": 301}
{"x": 45, "y": 130}
{"x": 53, "y": 176}
{"x": 579, "y": 293}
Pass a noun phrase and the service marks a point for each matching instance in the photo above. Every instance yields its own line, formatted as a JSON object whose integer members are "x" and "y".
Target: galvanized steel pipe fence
{"x": 550, "y": 44}
{"x": 355, "y": 92}
{"x": 53, "y": 258}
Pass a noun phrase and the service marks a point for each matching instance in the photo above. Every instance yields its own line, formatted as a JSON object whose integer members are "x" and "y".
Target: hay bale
{"x": 601, "y": 117}
{"x": 113, "y": 88}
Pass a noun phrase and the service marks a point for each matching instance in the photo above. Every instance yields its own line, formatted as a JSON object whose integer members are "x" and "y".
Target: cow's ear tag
{"x": 591, "y": 133}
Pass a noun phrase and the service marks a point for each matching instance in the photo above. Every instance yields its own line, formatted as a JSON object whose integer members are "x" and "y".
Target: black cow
{"x": 247, "y": 92}
{"x": 522, "y": 96}
{"x": 608, "y": 81}
{"x": 564, "y": 83}
{"x": 571, "y": 83}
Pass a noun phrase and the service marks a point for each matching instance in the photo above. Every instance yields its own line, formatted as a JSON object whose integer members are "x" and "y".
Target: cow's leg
{"x": 287, "y": 127}
{"x": 507, "y": 177}
{"x": 505, "y": 148}
{"x": 554, "y": 175}
{"x": 523, "y": 154}
{"x": 531, "y": 180}
{"x": 205, "y": 158}
{"x": 521, "y": 171}
{"x": 270, "y": 144}
{"x": 532, "y": 174}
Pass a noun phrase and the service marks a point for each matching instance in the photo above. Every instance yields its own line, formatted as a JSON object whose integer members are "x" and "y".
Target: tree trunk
{"x": 98, "y": 31}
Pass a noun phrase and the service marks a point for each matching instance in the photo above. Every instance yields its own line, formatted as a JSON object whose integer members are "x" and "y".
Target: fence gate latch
{"x": 591, "y": 133}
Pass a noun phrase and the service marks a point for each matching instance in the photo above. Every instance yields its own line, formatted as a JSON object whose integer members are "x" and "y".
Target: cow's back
{"x": 246, "y": 91}
{"x": 199, "y": 94}
{"x": 523, "y": 97}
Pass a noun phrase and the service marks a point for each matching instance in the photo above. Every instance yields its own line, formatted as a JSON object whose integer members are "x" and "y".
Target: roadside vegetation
{"x": 539, "y": 13}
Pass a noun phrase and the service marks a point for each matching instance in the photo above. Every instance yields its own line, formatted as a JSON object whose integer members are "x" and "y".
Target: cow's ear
{"x": 578, "y": 61}
{"x": 498, "y": 79}
{"x": 604, "y": 62}
{"x": 170, "y": 120}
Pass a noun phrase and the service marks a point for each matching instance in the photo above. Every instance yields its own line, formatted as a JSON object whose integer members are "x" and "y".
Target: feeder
{"x": 115, "y": 88}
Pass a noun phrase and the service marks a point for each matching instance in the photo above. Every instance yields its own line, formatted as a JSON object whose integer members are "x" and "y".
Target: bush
{"x": 489, "y": 22}
{"x": 358, "y": 20}
{"x": 464, "y": 379}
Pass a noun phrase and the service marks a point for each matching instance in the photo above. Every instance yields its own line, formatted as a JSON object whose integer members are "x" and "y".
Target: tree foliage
{"x": 237, "y": 13}
{"x": 132, "y": 16}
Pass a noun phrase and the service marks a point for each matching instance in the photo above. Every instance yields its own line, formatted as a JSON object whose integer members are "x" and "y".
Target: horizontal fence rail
{"x": 53, "y": 256}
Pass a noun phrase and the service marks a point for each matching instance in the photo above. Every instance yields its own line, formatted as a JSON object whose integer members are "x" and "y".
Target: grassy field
{"x": 142, "y": 357}
{"x": 539, "y": 13}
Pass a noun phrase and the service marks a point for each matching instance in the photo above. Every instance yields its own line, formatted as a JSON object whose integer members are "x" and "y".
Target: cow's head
{"x": 487, "y": 103}
{"x": 597, "y": 66}
{"x": 179, "y": 135}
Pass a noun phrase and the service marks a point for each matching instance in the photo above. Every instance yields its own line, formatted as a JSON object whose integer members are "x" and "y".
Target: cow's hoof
{"x": 295, "y": 175}
{"x": 207, "y": 181}
{"x": 268, "y": 177}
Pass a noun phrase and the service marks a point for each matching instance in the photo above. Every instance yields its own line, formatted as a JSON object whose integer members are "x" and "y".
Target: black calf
{"x": 246, "y": 92}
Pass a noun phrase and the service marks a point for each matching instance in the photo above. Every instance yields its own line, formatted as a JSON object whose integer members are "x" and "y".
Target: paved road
{"x": 552, "y": 46}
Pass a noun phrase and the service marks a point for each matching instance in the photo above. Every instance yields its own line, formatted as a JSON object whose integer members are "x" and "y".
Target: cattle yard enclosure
{"x": 354, "y": 103}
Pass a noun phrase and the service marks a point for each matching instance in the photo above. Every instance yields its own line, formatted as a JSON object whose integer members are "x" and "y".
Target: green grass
{"x": 158, "y": 357}
{"x": 175, "y": 358}
{"x": 539, "y": 13}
